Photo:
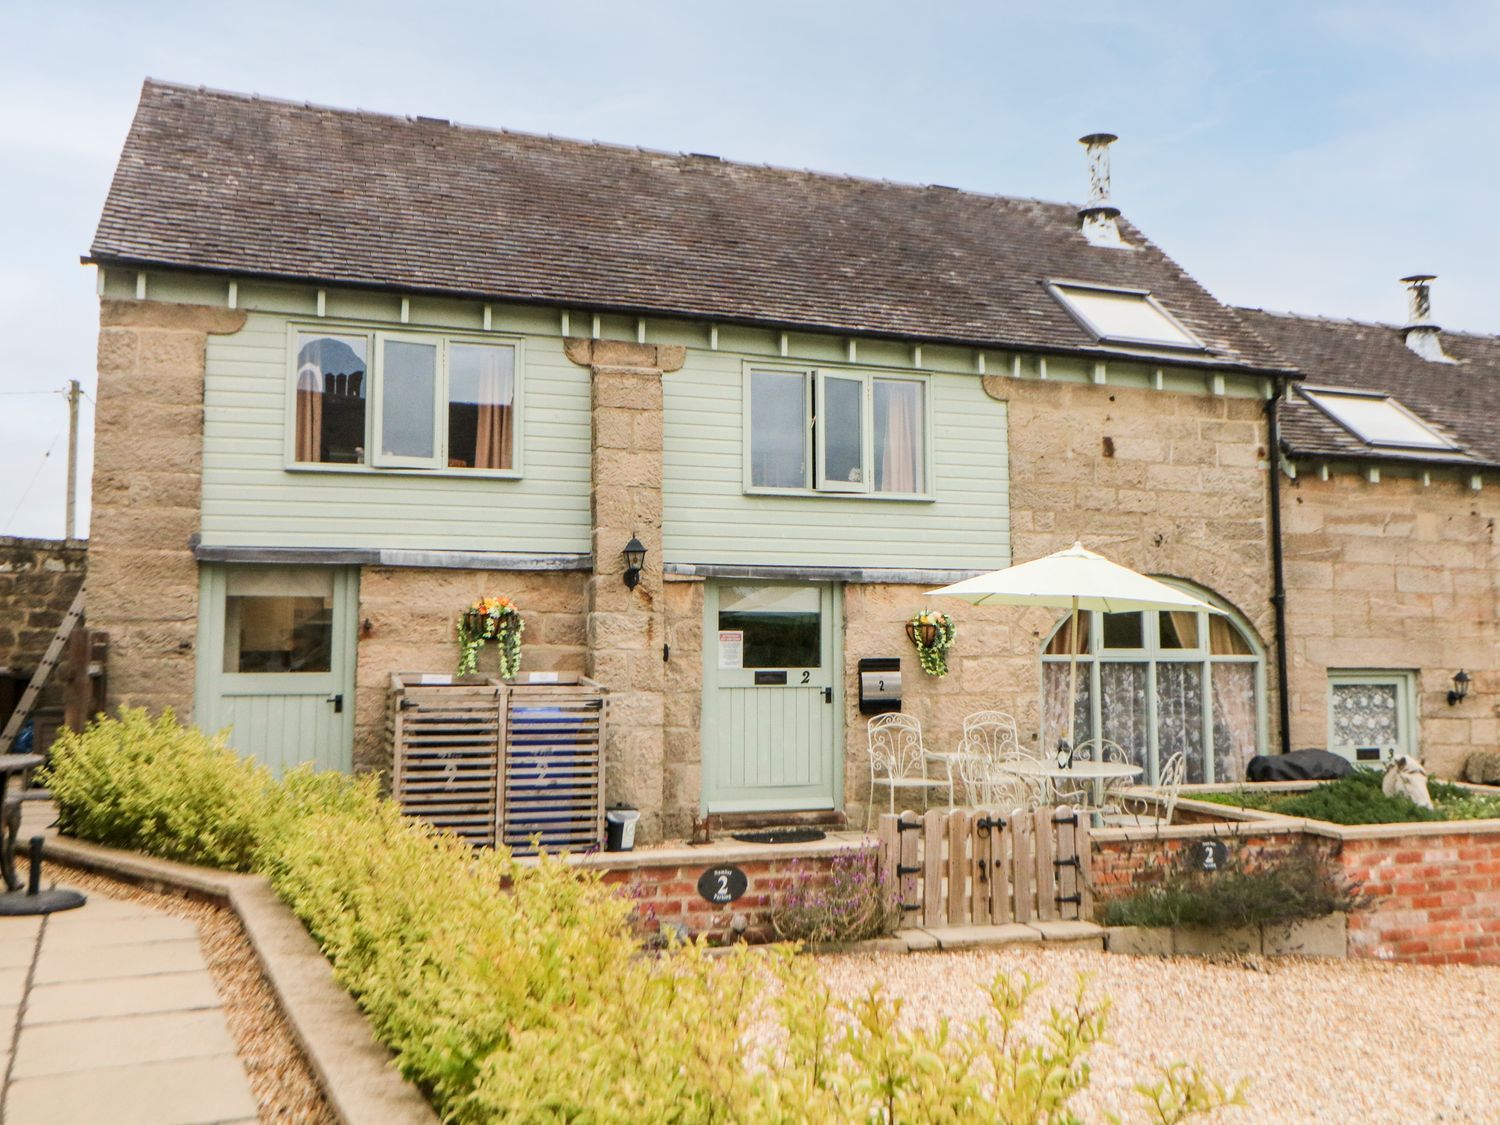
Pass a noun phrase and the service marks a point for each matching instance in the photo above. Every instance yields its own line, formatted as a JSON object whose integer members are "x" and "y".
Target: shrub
{"x": 850, "y": 900}
{"x": 1299, "y": 885}
{"x": 1358, "y": 799}
{"x": 533, "y": 1002}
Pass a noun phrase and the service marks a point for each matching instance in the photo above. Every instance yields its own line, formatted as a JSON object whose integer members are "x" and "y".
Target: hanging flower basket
{"x": 490, "y": 619}
{"x": 932, "y": 634}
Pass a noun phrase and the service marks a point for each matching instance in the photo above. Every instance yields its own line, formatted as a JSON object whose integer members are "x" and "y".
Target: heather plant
{"x": 849, "y": 900}
{"x": 1359, "y": 799}
{"x": 513, "y": 991}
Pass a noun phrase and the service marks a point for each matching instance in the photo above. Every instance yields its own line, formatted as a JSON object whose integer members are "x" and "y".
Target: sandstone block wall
{"x": 1395, "y": 576}
{"x": 148, "y": 455}
{"x": 38, "y": 581}
{"x": 412, "y": 616}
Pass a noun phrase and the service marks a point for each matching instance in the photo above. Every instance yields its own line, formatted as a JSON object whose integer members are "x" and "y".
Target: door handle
{"x": 337, "y": 699}
{"x": 828, "y": 695}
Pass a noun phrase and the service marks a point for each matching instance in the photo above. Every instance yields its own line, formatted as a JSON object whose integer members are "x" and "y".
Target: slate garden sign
{"x": 721, "y": 885}
{"x": 1210, "y": 855}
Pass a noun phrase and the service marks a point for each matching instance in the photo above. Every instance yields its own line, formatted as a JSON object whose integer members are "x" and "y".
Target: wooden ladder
{"x": 43, "y": 673}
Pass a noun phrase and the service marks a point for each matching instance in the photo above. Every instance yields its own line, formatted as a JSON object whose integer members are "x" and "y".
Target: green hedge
{"x": 513, "y": 992}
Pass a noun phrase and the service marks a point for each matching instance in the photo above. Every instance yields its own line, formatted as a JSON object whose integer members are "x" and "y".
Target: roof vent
{"x": 1421, "y": 335}
{"x": 1098, "y": 214}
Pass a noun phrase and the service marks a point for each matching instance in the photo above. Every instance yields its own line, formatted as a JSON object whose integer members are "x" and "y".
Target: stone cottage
{"x": 358, "y": 370}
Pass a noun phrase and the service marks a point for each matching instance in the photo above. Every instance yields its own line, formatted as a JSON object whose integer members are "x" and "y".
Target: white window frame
{"x": 1316, "y": 395}
{"x": 378, "y": 457}
{"x": 1056, "y": 287}
{"x": 374, "y": 462}
{"x": 814, "y": 379}
{"x": 1094, "y": 655}
{"x": 1405, "y": 681}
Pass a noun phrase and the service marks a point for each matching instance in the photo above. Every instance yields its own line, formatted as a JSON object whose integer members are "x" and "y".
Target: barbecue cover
{"x": 1299, "y": 765}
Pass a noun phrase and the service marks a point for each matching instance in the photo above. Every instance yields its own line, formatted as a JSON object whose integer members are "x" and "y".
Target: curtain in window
{"x": 1235, "y": 711}
{"x": 1123, "y": 711}
{"x": 494, "y": 439}
{"x": 898, "y": 436}
{"x": 1179, "y": 714}
{"x": 309, "y": 413}
{"x": 1224, "y": 639}
{"x": 1055, "y": 708}
{"x": 1184, "y": 629}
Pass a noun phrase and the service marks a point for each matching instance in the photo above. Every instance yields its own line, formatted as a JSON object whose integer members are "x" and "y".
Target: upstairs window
{"x": 1123, "y": 316}
{"x": 836, "y": 431}
{"x": 1377, "y": 419}
{"x": 405, "y": 401}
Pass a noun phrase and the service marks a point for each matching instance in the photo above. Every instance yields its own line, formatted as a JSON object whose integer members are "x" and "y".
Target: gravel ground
{"x": 279, "y": 1076}
{"x": 1325, "y": 1041}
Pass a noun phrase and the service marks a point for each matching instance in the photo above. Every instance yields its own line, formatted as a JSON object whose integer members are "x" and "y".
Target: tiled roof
{"x": 1460, "y": 400}
{"x": 251, "y": 186}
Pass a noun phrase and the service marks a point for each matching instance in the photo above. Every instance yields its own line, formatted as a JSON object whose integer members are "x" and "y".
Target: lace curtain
{"x": 1236, "y": 728}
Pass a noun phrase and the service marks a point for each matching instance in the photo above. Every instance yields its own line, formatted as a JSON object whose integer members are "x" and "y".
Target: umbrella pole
{"x": 1073, "y": 674}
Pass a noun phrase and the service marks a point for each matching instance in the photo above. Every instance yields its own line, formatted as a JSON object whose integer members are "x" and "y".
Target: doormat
{"x": 781, "y": 836}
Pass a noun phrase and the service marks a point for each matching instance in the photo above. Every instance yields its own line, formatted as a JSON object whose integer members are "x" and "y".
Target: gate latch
{"x": 337, "y": 699}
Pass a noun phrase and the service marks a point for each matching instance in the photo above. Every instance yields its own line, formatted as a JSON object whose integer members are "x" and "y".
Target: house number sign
{"x": 1211, "y": 855}
{"x": 722, "y": 884}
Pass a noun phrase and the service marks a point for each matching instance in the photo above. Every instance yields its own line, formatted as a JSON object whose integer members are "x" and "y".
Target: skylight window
{"x": 1123, "y": 316}
{"x": 1378, "y": 420}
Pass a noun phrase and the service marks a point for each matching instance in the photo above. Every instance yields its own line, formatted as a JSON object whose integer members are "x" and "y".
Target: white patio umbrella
{"x": 1073, "y": 579}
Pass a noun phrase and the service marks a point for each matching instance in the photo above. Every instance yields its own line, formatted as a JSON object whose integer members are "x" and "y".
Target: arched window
{"x": 1157, "y": 683}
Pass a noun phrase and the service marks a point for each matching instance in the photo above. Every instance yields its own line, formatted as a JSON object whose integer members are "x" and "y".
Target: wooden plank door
{"x": 771, "y": 697}
{"x": 276, "y": 662}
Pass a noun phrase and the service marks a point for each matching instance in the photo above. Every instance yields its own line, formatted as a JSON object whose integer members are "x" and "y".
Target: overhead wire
{"x": 32, "y": 483}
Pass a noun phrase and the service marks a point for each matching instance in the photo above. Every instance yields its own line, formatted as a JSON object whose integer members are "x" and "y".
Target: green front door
{"x": 276, "y": 662}
{"x": 771, "y": 697}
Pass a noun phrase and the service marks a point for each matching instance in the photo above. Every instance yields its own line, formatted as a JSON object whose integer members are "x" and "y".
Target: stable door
{"x": 276, "y": 662}
{"x": 772, "y": 700}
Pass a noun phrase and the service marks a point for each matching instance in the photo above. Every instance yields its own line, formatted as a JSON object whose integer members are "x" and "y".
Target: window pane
{"x": 481, "y": 398}
{"x": 1179, "y": 715}
{"x": 275, "y": 621}
{"x": 778, "y": 429}
{"x": 1367, "y": 715}
{"x": 1179, "y": 629}
{"x": 1122, "y": 707}
{"x": 1379, "y": 420}
{"x": 408, "y": 393}
{"x": 1124, "y": 630}
{"x": 1062, "y": 641}
{"x": 330, "y": 399}
{"x": 1235, "y": 726}
{"x": 1124, "y": 316}
{"x": 841, "y": 422}
{"x": 899, "y": 433}
{"x": 1055, "y": 705}
{"x": 782, "y": 624}
{"x": 1225, "y": 638}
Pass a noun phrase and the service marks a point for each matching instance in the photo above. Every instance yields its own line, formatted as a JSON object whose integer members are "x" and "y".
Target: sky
{"x": 1294, "y": 156}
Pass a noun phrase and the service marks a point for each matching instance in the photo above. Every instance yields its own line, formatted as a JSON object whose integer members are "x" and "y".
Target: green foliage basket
{"x": 490, "y": 619}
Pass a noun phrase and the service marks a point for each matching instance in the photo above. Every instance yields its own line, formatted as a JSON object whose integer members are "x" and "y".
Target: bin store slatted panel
{"x": 979, "y": 867}
{"x": 553, "y": 767}
{"x": 445, "y": 742}
{"x": 492, "y": 762}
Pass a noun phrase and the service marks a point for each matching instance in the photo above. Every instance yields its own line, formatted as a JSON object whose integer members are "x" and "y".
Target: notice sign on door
{"x": 731, "y": 648}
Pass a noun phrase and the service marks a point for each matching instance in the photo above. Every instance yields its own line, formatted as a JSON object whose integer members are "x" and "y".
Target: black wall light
{"x": 635, "y": 559}
{"x": 1460, "y": 687}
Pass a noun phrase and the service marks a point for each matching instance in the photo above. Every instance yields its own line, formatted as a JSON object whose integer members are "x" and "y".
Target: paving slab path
{"x": 108, "y": 1013}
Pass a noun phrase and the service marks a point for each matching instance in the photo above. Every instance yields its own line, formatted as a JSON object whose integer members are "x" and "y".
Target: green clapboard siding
{"x": 708, "y": 518}
{"x": 250, "y": 499}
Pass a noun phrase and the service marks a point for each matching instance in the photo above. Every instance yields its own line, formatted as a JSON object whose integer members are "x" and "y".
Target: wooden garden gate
{"x": 974, "y": 867}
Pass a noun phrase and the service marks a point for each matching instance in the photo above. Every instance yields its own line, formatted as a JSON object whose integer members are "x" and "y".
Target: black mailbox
{"x": 879, "y": 684}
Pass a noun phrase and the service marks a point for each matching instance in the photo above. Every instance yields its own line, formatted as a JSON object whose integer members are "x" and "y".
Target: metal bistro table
{"x": 1086, "y": 770}
{"x": 32, "y": 900}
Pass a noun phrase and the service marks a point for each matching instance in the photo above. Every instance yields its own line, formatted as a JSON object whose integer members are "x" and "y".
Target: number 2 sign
{"x": 722, "y": 885}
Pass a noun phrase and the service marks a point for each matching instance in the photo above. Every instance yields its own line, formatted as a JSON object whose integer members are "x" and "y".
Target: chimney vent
{"x": 1099, "y": 215}
{"x": 1421, "y": 334}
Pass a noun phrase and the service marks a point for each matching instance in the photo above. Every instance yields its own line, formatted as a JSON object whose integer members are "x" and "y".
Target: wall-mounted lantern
{"x": 1460, "y": 687}
{"x": 635, "y": 559}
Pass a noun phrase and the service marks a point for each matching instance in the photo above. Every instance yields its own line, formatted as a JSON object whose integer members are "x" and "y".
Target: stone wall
{"x": 38, "y": 581}
{"x": 1395, "y": 576}
{"x": 682, "y": 787}
{"x": 412, "y": 614}
{"x": 142, "y": 581}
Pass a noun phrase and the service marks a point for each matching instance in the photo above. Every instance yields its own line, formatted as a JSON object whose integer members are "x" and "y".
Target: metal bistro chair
{"x": 988, "y": 736}
{"x": 898, "y": 759}
{"x": 1082, "y": 794}
{"x": 1142, "y": 812}
{"x": 989, "y": 785}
